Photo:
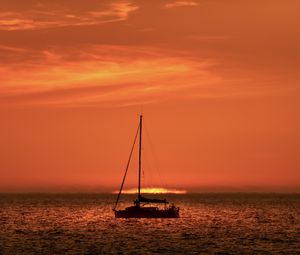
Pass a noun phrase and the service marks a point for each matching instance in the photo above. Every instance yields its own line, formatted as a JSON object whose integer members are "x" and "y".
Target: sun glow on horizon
{"x": 152, "y": 191}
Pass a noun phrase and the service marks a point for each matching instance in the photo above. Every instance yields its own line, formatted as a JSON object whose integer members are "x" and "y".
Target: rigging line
{"x": 150, "y": 178}
{"x": 156, "y": 166}
{"x": 127, "y": 166}
{"x": 147, "y": 165}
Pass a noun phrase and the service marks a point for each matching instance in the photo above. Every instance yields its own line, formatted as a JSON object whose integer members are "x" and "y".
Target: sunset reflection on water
{"x": 209, "y": 224}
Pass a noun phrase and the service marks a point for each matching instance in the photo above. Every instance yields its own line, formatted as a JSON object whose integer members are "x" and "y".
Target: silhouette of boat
{"x": 141, "y": 208}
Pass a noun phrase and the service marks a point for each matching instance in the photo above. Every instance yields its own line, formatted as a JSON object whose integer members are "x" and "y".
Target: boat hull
{"x": 144, "y": 213}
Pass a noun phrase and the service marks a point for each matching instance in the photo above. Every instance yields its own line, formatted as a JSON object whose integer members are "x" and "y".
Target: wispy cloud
{"x": 112, "y": 76}
{"x": 41, "y": 18}
{"x": 100, "y": 75}
{"x": 181, "y": 4}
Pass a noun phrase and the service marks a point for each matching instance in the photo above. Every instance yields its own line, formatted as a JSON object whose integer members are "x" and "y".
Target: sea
{"x": 211, "y": 223}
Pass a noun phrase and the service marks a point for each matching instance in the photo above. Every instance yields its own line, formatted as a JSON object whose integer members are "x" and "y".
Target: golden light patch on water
{"x": 152, "y": 191}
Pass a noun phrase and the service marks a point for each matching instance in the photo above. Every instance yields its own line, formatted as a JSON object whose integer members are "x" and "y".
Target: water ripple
{"x": 209, "y": 224}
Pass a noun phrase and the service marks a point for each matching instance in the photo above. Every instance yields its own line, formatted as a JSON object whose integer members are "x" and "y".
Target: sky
{"x": 217, "y": 82}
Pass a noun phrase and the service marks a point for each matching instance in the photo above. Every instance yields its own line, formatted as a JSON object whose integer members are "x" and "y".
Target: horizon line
{"x": 132, "y": 194}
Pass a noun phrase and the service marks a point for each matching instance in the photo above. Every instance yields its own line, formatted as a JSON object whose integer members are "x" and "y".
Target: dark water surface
{"x": 209, "y": 224}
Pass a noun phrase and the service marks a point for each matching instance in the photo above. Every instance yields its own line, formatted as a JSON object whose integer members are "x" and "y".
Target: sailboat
{"x": 141, "y": 208}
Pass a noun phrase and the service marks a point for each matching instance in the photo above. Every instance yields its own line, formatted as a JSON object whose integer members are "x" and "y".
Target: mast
{"x": 140, "y": 157}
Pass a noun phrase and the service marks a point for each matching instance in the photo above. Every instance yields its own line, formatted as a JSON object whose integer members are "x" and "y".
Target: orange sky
{"x": 217, "y": 81}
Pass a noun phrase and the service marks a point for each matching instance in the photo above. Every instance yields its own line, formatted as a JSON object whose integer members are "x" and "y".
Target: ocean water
{"x": 209, "y": 224}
